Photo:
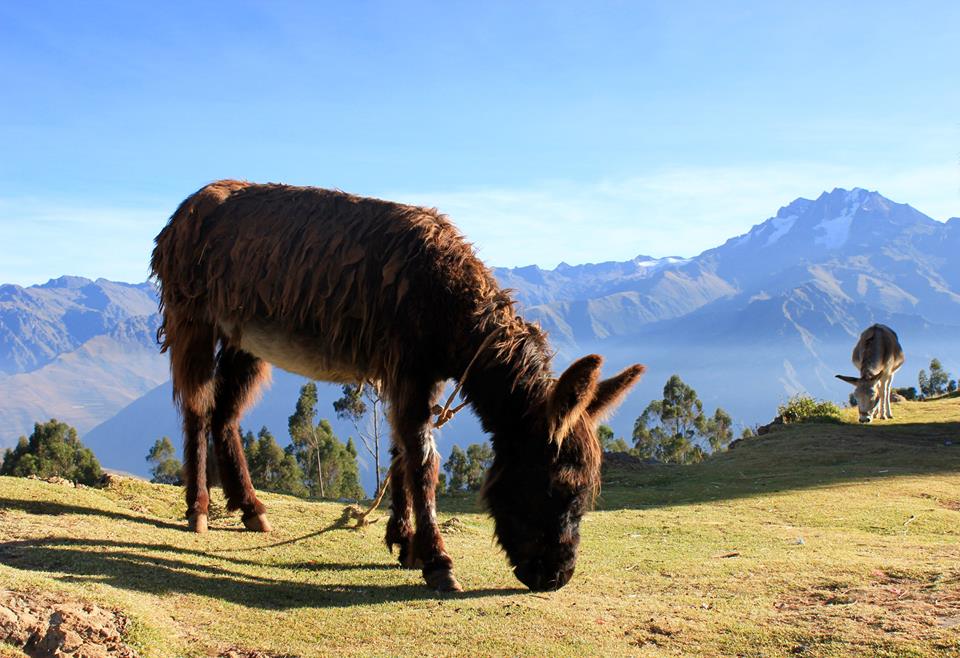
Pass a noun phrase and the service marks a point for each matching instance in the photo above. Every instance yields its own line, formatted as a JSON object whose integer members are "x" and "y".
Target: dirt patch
{"x": 63, "y": 482}
{"x": 245, "y": 653}
{"x": 910, "y": 605}
{"x": 47, "y": 626}
{"x": 453, "y": 526}
{"x": 946, "y": 503}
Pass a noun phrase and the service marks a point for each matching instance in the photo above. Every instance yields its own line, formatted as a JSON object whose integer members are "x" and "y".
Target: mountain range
{"x": 767, "y": 314}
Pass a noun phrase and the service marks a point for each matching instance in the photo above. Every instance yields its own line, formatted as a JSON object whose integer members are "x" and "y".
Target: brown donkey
{"x": 345, "y": 289}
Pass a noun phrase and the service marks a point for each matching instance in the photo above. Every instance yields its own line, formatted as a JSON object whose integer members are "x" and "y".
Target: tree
{"x": 938, "y": 378}
{"x": 456, "y": 467}
{"x": 619, "y": 445}
{"x": 669, "y": 428}
{"x": 271, "y": 467}
{"x": 923, "y": 383}
{"x": 350, "y": 474}
{"x": 165, "y": 467}
{"x": 310, "y": 441}
{"x": 607, "y": 441}
{"x": 747, "y": 433}
{"x": 719, "y": 430}
{"x": 356, "y": 402}
{"x": 329, "y": 468}
{"x": 53, "y": 450}
{"x": 479, "y": 458}
{"x": 605, "y": 435}
{"x": 466, "y": 470}
{"x": 952, "y": 386}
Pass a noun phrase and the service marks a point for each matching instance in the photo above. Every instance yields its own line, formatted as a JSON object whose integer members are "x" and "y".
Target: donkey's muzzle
{"x": 542, "y": 580}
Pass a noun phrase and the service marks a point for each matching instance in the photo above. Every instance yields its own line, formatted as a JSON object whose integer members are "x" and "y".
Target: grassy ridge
{"x": 814, "y": 540}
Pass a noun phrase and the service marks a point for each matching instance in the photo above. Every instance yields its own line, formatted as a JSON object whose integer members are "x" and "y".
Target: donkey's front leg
{"x": 411, "y": 423}
{"x": 888, "y": 393}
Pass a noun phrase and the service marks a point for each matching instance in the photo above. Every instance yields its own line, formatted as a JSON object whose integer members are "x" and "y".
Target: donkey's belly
{"x": 300, "y": 354}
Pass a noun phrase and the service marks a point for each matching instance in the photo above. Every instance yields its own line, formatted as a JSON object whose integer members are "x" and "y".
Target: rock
{"x": 771, "y": 426}
{"x": 46, "y": 625}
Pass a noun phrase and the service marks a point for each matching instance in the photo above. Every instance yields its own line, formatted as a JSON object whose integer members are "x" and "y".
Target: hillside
{"x": 816, "y": 540}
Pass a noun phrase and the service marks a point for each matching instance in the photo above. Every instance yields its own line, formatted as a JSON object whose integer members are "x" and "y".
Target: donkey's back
{"x": 319, "y": 282}
{"x": 877, "y": 351}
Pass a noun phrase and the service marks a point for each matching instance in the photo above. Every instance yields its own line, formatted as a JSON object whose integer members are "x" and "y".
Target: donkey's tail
{"x": 178, "y": 252}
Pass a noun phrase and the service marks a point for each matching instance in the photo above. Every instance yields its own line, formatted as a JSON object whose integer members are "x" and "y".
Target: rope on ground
{"x": 354, "y": 512}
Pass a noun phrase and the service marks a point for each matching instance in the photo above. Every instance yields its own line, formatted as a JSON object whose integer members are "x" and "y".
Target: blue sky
{"x": 548, "y": 131}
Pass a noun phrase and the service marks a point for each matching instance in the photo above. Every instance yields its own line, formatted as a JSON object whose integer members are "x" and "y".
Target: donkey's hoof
{"x": 442, "y": 580}
{"x": 257, "y": 523}
{"x": 197, "y": 523}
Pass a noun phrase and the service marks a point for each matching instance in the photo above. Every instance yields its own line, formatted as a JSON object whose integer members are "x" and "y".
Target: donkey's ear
{"x": 610, "y": 392}
{"x": 848, "y": 379}
{"x": 571, "y": 395}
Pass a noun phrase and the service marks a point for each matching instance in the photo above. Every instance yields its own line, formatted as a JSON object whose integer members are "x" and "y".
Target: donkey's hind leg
{"x": 191, "y": 365}
{"x": 410, "y": 418}
{"x": 238, "y": 379}
{"x": 400, "y": 526}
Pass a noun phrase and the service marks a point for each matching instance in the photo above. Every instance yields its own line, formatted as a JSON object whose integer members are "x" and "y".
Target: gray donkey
{"x": 878, "y": 356}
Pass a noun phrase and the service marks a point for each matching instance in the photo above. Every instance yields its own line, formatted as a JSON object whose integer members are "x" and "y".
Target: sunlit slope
{"x": 814, "y": 540}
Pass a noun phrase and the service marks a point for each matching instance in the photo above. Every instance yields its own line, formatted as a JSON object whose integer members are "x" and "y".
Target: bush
{"x": 805, "y": 409}
{"x": 906, "y": 392}
{"x": 53, "y": 450}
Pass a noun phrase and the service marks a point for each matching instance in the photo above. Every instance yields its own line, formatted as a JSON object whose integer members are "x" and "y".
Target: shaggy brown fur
{"x": 342, "y": 288}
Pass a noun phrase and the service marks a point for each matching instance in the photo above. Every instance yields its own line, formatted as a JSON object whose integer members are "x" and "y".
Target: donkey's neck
{"x": 510, "y": 376}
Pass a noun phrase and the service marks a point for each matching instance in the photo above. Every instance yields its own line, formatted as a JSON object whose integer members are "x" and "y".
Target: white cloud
{"x": 680, "y": 211}
{"x": 42, "y": 240}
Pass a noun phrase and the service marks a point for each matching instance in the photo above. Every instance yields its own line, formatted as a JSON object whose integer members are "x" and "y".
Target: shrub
{"x": 907, "y": 392}
{"x": 53, "y": 450}
{"x": 805, "y": 409}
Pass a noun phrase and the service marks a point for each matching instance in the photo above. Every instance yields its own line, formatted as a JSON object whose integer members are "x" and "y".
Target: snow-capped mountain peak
{"x": 824, "y": 224}
{"x": 833, "y": 232}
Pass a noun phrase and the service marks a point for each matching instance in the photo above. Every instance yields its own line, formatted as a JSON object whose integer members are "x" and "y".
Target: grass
{"x": 817, "y": 539}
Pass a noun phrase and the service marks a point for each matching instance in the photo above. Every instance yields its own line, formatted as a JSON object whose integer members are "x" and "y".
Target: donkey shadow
{"x": 158, "y": 569}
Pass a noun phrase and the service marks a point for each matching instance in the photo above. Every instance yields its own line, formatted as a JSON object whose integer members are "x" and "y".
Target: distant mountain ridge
{"x": 768, "y": 313}
{"x": 75, "y": 349}
{"x": 857, "y": 246}
{"x": 40, "y": 322}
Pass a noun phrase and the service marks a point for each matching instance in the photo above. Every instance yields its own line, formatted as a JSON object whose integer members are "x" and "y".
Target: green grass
{"x": 817, "y": 539}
